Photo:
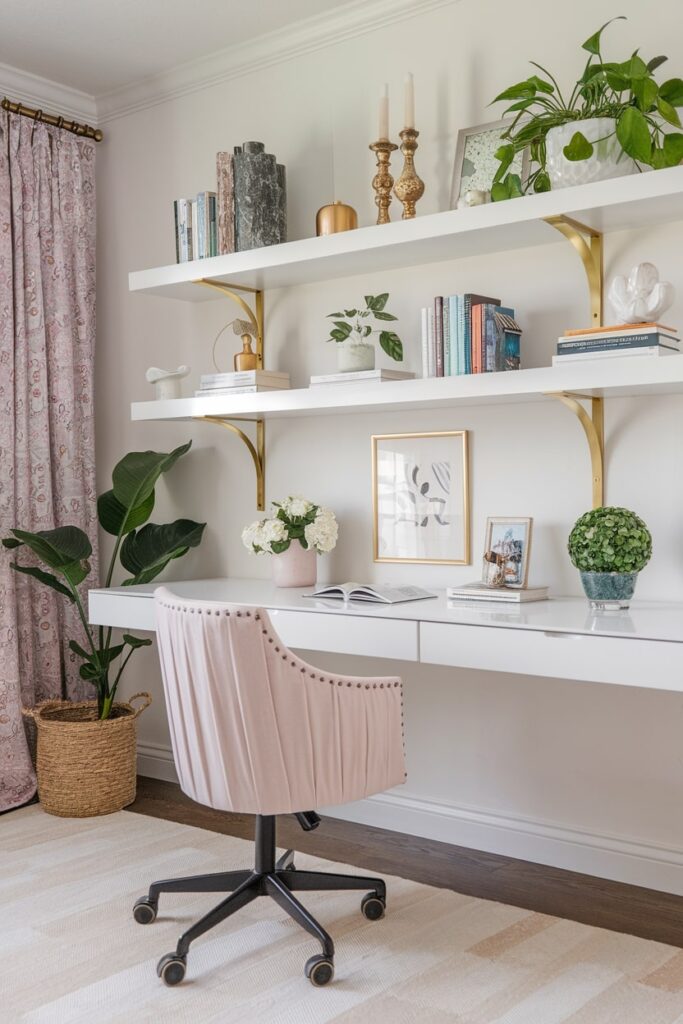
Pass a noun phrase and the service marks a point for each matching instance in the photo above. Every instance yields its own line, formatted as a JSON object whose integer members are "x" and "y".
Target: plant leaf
{"x": 136, "y": 474}
{"x": 655, "y": 63}
{"x": 391, "y": 344}
{"x": 58, "y": 548}
{"x": 379, "y": 302}
{"x": 44, "y": 577}
{"x": 592, "y": 44}
{"x": 380, "y": 315}
{"x": 542, "y": 182}
{"x": 349, "y": 312}
{"x": 541, "y": 84}
{"x": 636, "y": 67}
{"x": 672, "y": 91}
{"x": 11, "y": 542}
{"x": 520, "y": 91}
{"x": 136, "y": 641}
{"x": 146, "y": 552}
{"x": 578, "y": 147}
{"x": 343, "y": 327}
{"x": 673, "y": 149}
{"x": 337, "y": 335}
{"x": 668, "y": 112}
{"x": 646, "y": 92}
{"x": 633, "y": 133}
{"x": 115, "y": 518}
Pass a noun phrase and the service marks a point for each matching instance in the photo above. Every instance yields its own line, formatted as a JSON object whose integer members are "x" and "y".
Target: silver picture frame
{"x": 492, "y": 132}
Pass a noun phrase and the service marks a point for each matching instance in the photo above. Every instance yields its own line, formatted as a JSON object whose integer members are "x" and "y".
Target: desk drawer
{"x": 655, "y": 664}
{"x": 347, "y": 634}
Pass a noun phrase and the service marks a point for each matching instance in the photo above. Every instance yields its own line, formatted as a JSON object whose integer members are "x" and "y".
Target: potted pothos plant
{"x": 617, "y": 119}
{"x": 353, "y": 330}
{"x": 86, "y": 750}
{"x": 609, "y": 546}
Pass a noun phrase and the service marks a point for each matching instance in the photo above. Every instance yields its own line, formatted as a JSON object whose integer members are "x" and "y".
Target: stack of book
{"x": 360, "y": 377}
{"x": 196, "y": 229}
{"x": 244, "y": 382}
{"x": 648, "y": 339}
{"x": 469, "y": 334}
{"x": 480, "y": 592}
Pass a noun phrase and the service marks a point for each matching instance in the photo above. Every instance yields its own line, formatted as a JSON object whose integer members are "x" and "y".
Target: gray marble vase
{"x": 260, "y": 198}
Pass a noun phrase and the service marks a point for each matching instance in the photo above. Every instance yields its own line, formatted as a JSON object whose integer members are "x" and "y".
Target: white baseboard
{"x": 629, "y": 860}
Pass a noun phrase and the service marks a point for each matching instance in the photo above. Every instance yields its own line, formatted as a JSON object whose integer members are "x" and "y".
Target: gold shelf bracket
{"x": 588, "y": 243}
{"x": 254, "y": 316}
{"x": 257, "y": 451}
{"x": 593, "y": 424}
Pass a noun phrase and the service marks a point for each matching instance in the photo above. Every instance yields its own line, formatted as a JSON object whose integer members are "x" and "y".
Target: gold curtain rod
{"x": 84, "y": 130}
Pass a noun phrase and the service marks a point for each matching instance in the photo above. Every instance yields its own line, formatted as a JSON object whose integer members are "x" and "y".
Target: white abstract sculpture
{"x": 166, "y": 382}
{"x": 641, "y": 298}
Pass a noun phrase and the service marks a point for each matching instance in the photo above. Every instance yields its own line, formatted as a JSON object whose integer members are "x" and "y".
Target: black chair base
{"x": 277, "y": 879}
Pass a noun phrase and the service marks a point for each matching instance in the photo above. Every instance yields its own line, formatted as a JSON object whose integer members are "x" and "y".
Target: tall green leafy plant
{"x": 625, "y": 91}
{"x": 144, "y": 549}
{"x": 352, "y": 324}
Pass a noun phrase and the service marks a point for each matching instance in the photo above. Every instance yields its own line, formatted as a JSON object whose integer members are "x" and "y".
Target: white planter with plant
{"x": 616, "y": 120}
{"x": 353, "y": 335}
{"x": 609, "y": 546}
{"x": 294, "y": 534}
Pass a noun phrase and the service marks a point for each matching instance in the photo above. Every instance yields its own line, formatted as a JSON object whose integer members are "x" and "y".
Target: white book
{"x": 194, "y": 234}
{"x": 245, "y": 389}
{"x": 242, "y": 377}
{"x": 183, "y": 222}
{"x": 619, "y": 353}
{"x": 372, "y": 595}
{"x": 424, "y": 340}
{"x": 361, "y": 376}
{"x": 431, "y": 344}
{"x": 478, "y": 591}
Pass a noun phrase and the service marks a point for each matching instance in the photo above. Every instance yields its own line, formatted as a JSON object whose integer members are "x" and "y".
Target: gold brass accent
{"x": 84, "y": 130}
{"x": 588, "y": 243}
{"x": 257, "y": 452}
{"x": 594, "y": 428}
{"x": 255, "y": 316}
{"x": 409, "y": 187}
{"x": 383, "y": 181}
{"x": 335, "y": 217}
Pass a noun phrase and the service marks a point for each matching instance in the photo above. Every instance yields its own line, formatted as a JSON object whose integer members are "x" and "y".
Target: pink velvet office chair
{"x": 256, "y": 730}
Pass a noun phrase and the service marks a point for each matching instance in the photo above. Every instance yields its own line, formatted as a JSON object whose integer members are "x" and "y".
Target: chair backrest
{"x": 256, "y": 729}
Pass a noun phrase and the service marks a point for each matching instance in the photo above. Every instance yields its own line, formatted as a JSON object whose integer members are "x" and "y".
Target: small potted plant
{"x": 294, "y": 533}
{"x": 353, "y": 334}
{"x": 609, "y": 546}
{"x": 616, "y": 120}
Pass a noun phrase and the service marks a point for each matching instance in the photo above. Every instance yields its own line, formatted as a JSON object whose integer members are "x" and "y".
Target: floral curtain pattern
{"x": 47, "y": 470}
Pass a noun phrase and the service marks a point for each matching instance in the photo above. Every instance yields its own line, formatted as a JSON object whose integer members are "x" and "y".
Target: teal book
{"x": 453, "y": 334}
{"x": 446, "y": 318}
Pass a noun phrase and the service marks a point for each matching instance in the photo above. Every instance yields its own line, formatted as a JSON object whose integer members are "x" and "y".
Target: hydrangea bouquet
{"x": 295, "y": 518}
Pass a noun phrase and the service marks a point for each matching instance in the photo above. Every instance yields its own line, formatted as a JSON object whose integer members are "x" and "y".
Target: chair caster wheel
{"x": 319, "y": 970}
{"x": 145, "y": 910}
{"x": 171, "y": 968}
{"x": 372, "y": 906}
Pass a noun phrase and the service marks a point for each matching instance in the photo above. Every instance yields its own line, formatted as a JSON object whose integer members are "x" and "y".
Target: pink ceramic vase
{"x": 295, "y": 567}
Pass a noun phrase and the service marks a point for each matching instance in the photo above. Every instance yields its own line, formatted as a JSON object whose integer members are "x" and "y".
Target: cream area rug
{"x": 72, "y": 954}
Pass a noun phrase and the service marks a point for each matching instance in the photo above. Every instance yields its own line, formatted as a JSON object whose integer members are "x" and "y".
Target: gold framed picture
{"x": 506, "y": 552}
{"x": 420, "y": 498}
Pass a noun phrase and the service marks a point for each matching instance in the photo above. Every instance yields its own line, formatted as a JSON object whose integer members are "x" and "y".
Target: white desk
{"x": 559, "y": 638}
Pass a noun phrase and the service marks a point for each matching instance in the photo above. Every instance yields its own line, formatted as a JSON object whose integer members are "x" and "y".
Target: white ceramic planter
{"x": 353, "y": 357}
{"x": 607, "y": 161}
{"x": 295, "y": 567}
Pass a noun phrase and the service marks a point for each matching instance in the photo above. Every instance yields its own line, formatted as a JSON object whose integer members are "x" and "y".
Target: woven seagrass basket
{"x": 86, "y": 766}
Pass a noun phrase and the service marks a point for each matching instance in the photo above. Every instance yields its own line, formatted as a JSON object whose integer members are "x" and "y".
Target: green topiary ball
{"x": 610, "y": 540}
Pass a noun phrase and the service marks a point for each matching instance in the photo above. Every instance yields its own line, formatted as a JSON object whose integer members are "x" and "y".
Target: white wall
{"x": 570, "y": 774}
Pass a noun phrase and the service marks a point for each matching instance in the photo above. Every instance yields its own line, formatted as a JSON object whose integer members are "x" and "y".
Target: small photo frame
{"x": 475, "y": 162}
{"x": 420, "y": 498}
{"x": 506, "y": 552}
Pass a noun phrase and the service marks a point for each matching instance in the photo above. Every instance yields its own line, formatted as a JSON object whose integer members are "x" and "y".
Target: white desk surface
{"x": 645, "y": 620}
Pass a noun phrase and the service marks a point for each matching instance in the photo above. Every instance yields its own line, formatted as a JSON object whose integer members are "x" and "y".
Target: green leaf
{"x": 520, "y": 91}
{"x": 76, "y": 572}
{"x": 115, "y": 518}
{"x": 43, "y": 577}
{"x": 349, "y": 312}
{"x": 146, "y": 552}
{"x": 672, "y": 92}
{"x": 645, "y": 91}
{"x": 514, "y": 186}
{"x": 499, "y": 192}
{"x": 668, "y": 112}
{"x": 542, "y": 182}
{"x": 136, "y": 641}
{"x": 378, "y": 302}
{"x": 77, "y": 649}
{"x": 592, "y": 44}
{"x": 330, "y": 316}
{"x": 578, "y": 147}
{"x": 506, "y": 154}
{"x": 633, "y": 133}
{"x": 541, "y": 84}
{"x": 343, "y": 327}
{"x": 11, "y": 542}
{"x": 380, "y": 315}
{"x": 279, "y": 546}
{"x": 391, "y": 344}
{"x": 58, "y": 548}
{"x": 135, "y": 476}
{"x": 672, "y": 149}
{"x": 337, "y": 335}
{"x": 655, "y": 63}
{"x": 636, "y": 67}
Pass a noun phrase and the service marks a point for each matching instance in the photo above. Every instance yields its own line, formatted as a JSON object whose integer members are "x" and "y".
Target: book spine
{"x": 213, "y": 227}
{"x": 184, "y": 230}
{"x": 461, "y": 357}
{"x": 176, "y": 224}
{"x": 467, "y": 341}
{"x": 446, "y": 318}
{"x": 431, "y": 343}
{"x": 225, "y": 202}
{"x": 489, "y": 337}
{"x": 635, "y": 341}
{"x": 619, "y": 353}
{"x": 194, "y": 231}
{"x": 438, "y": 334}
{"x": 201, "y": 226}
{"x": 453, "y": 333}
{"x": 424, "y": 340}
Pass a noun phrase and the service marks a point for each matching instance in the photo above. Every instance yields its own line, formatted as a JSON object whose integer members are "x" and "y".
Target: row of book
{"x": 243, "y": 382}
{"x": 468, "y": 334}
{"x": 622, "y": 340}
{"x": 196, "y": 227}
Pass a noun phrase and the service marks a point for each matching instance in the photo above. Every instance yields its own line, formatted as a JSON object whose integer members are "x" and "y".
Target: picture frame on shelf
{"x": 420, "y": 497}
{"x": 506, "y": 551}
{"x": 475, "y": 163}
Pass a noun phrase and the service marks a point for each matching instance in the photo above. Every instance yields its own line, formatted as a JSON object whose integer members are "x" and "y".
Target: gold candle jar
{"x": 337, "y": 216}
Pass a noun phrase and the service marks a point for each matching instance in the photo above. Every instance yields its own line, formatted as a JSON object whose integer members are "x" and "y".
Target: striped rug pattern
{"x": 72, "y": 954}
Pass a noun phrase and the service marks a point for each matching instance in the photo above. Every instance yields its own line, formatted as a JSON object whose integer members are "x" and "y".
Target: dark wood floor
{"x": 595, "y": 901}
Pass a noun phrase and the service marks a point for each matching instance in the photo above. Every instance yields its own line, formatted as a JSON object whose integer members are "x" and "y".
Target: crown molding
{"x": 34, "y": 91}
{"x": 297, "y": 39}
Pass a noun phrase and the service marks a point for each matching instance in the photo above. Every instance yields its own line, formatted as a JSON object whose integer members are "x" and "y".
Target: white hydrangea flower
{"x": 252, "y": 536}
{"x": 274, "y": 531}
{"x": 296, "y": 505}
{"x": 322, "y": 533}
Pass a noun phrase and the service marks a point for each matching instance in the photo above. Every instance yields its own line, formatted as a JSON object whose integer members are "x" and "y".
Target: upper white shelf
{"x": 639, "y": 200}
{"x": 634, "y": 375}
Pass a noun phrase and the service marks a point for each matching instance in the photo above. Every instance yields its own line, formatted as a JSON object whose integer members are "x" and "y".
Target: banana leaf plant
{"x": 144, "y": 549}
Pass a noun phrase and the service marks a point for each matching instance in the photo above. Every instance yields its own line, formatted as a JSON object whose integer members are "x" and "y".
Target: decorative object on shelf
{"x": 356, "y": 352}
{"x": 609, "y": 546}
{"x": 469, "y": 333}
{"x": 420, "y": 498}
{"x": 383, "y": 182}
{"x": 260, "y": 198}
{"x": 616, "y": 118}
{"x": 247, "y": 359}
{"x": 196, "y": 230}
{"x": 295, "y": 532}
{"x": 166, "y": 382}
{"x": 641, "y": 297}
{"x": 337, "y": 216}
{"x": 475, "y": 165}
{"x": 409, "y": 187}
{"x": 225, "y": 202}
{"x": 506, "y": 552}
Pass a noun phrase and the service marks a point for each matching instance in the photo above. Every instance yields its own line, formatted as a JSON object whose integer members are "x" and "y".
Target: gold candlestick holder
{"x": 409, "y": 187}
{"x": 383, "y": 181}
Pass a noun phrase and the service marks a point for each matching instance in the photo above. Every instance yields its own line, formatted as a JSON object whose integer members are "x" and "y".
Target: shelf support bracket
{"x": 254, "y": 316}
{"x": 593, "y": 424}
{"x": 257, "y": 451}
{"x": 588, "y": 243}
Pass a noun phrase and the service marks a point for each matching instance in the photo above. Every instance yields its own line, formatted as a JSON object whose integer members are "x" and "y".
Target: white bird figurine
{"x": 642, "y": 297}
{"x": 166, "y": 382}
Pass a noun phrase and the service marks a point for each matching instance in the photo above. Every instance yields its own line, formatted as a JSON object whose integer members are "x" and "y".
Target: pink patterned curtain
{"x": 47, "y": 473}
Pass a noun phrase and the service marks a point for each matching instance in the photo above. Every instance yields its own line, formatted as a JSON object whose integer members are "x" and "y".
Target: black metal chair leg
{"x": 285, "y": 862}
{"x": 283, "y": 897}
{"x": 312, "y": 881}
{"x": 219, "y": 881}
{"x": 247, "y": 892}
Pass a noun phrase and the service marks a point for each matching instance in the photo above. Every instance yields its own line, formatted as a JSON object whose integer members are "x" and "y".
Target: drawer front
{"x": 655, "y": 664}
{"x": 347, "y": 634}
{"x": 123, "y": 611}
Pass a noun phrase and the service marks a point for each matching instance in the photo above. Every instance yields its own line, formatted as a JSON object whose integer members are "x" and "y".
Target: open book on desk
{"x": 374, "y": 595}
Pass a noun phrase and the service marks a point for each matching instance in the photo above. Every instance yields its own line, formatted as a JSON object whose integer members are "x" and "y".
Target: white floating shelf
{"x": 633, "y": 375}
{"x": 639, "y": 200}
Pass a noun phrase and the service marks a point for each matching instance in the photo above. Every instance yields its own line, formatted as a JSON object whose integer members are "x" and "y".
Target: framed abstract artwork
{"x": 420, "y": 498}
{"x": 506, "y": 552}
{"x": 475, "y": 162}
